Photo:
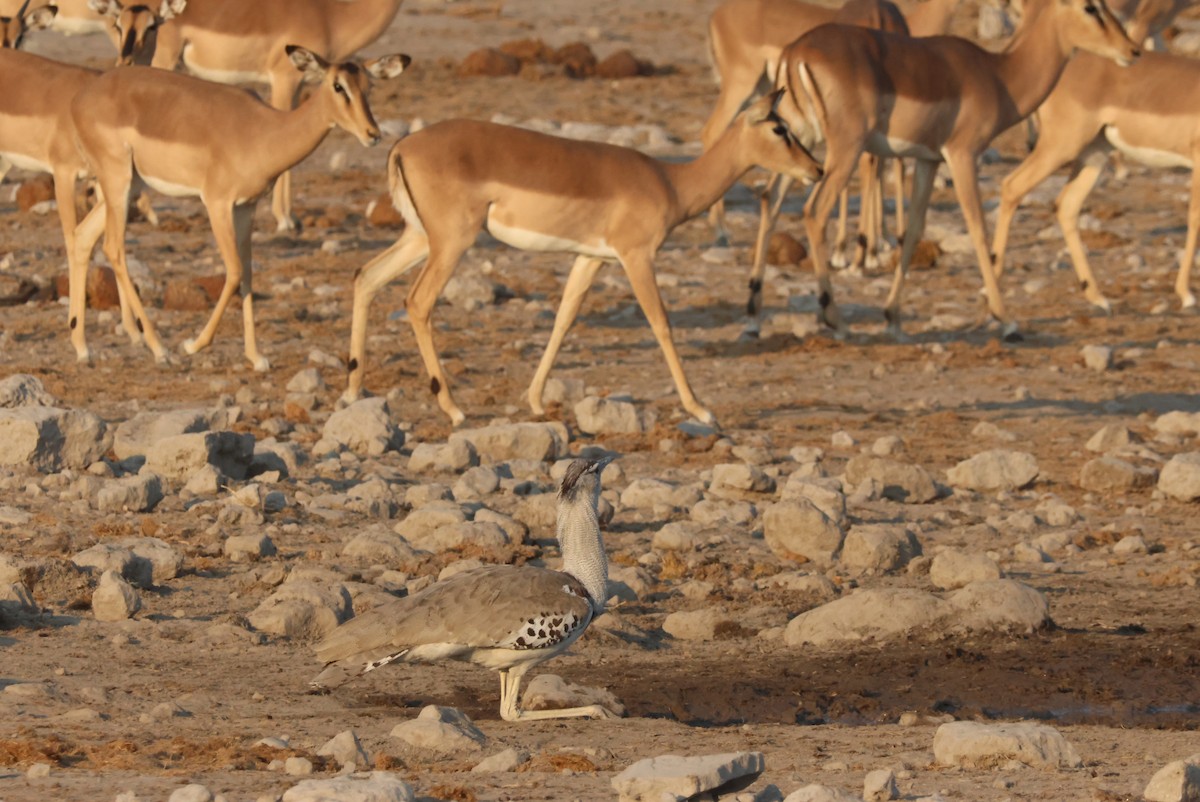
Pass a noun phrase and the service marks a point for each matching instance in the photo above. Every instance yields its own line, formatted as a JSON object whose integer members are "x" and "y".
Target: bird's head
{"x": 582, "y": 476}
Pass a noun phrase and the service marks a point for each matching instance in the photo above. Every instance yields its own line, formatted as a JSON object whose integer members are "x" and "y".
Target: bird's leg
{"x": 510, "y": 687}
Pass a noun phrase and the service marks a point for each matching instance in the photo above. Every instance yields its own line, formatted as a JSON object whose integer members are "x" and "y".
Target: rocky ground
{"x": 885, "y": 541}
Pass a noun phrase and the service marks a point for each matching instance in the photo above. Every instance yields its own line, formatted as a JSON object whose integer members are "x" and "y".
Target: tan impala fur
{"x": 240, "y": 41}
{"x": 747, "y": 37}
{"x": 1150, "y": 112}
{"x": 37, "y": 131}
{"x": 190, "y": 137}
{"x": 539, "y": 192}
{"x": 934, "y": 99}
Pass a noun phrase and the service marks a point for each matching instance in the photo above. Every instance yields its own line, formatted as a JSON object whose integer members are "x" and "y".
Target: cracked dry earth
{"x": 1118, "y": 673}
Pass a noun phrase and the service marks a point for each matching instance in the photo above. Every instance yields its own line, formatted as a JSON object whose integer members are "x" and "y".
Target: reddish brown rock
{"x": 784, "y": 249}
{"x": 34, "y": 191}
{"x": 577, "y": 60}
{"x": 623, "y": 64}
{"x": 925, "y": 255}
{"x": 489, "y": 63}
{"x": 194, "y": 294}
{"x": 101, "y": 288}
{"x": 528, "y": 51}
{"x": 383, "y": 213}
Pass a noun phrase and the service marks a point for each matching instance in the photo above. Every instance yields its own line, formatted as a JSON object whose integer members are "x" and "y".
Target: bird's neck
{"x": 582, "y": 548}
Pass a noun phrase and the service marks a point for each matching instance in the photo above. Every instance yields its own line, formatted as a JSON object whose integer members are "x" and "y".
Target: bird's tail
{"x": 340, "y": 672}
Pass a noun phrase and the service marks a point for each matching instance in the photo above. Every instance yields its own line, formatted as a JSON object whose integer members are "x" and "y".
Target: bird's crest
{"x": 577, "y": 470}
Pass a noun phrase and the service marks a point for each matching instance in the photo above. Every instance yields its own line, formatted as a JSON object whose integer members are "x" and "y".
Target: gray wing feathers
{"x": 478, "y": 608}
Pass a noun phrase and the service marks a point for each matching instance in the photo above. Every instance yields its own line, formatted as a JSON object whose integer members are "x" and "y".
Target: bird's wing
{"x": 500, "y": 606}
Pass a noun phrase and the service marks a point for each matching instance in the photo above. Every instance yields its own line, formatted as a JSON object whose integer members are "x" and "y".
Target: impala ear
{"x": 111, "y": 8}
{"x": 308, "y": 62}
{"x": 41, "y": 17}
{"x": 763, "y": 109}
{"x": 387, "y": 66}
{"x": 171, "y": 8}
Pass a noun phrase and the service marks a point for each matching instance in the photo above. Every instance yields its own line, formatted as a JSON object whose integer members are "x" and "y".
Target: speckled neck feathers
{"x": 579, "y": 536}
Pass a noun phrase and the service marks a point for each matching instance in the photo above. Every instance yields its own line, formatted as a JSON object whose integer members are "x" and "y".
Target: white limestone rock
{"x": 24, "y": 390}
{"x": 1002, "y": 605}
{"x": 443, "y": 730}
{"x": 140, "y": 493}
{"x": 507, "y": 760}
{"x": 135, "y": 436}
{"x": 696, "y": 625}
{"x": 425, "y": 520}
{"x": 871, "y": 614}
{"x": 378, "y": 786}
{"x": 1112, "y": 437}
{"x": 165, "y": 560}
{"x": 898, "y": 481}
{"x": 179, "y": 457}
{"x": 476, "y": 483}
{"x": 302, "y": 609}
{"x": 1180, "y": 478}
{"x": 1097, "y": 357}
{"x": 454, "y": 456}
{"x": 798, "y": 530}
{"x": 826, "y": 494}
{"x": 509, "y": 441}
{"x": 733, "y": 479}
{"x": 457, "y": 536}
{"x": 1178, "y": 781}
{"x": 648, "y": 493}
{"x": 49, "y": 439}
{"x": 671, "y": 777}
{"x": 112, "y": 557}
{"x": 365, "y": 427}
{"x": 952, "y": 569}
{"x": 998, "y": 469}
{"x": 114, "y": 599}
{"x": 379, "y": 546}
{"x": 612, "y": 416}
{"x": 821, "y": 793}
{"x": 1178, "y": 422}
{"x": 978, "y": 745}
{"x": 193, "y": 792}
{"x": 346, "y": 749}
{"x": 249, "y": 548}
{"x": 879, "y": 548}
{"x": 1112, "y": 475}
{"x": 880, "y": 786}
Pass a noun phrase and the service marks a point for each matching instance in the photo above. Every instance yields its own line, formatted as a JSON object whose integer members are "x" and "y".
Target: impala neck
{"x": 354, "y": 25}
{"x": 1032, "y": 63}
{"x": 582, "y": 548}
{"x": 299, "y": 131}
{"x": 701, "y": 182}
{"x": 930, "y": 17}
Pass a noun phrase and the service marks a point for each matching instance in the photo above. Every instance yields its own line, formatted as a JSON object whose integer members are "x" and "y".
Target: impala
{"x": 36, "y": 129}
{"x": 15, "y": 25}
{"x": 188, "y": 137}
{"x": 539, "y": 192}
{"x": 240, "y": 41}
{"x": 941, "y": 98}
{"x": 746, "y": 39}
{"x": 1149, "y": 112}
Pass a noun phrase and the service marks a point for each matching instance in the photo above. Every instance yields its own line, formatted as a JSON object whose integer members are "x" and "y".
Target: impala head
{"x": 133, "y": 28}
{"x": 14, "y": 28}
{"x": 1090, "y": 25}
{"x": 347, "y": 85}
{"x": 775, "y": 147}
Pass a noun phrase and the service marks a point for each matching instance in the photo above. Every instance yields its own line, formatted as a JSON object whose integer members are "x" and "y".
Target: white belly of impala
{"x": 23, "y": 162}
{"x": 169, "y": 188}
{"x": 223, "y": 76}
{"x": 528, "y": 240}
{"x": 1151, "y": 157}
{"x": 70, "y": 26}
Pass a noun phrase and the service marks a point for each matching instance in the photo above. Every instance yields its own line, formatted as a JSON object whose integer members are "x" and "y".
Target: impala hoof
{"x": 261, "y": 364}
{"x": 189, "y": 347}
{"x": 84, "y": 357}
{"x": 1189, "y": 301}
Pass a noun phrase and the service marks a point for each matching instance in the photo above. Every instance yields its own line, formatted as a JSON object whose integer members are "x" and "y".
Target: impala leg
{"x": 222, "y": 216}
{"x": 1045, "y": 159}
{"x": 64, "y": 196}
{"x": 444, "y": 254}
{"x": 965, "y": 172}
{"x": 838, "y": 258}
{"x": 768, "y": 216}
{"x": 898, "y": 174}
{"x": 168, "y": 47}
{"x": 285, "y": 82}
{"x": 5, "y": 166}
{"x": 510, "y": 709}
{"x": 1084, "y": 175}
{"x": 870, "y": 211}
{"x": 583, "y": 273}
{"x": 84, "y": 239}
{"x": 116, "y": 212}
{"x": 736, "y": 86}
{"x": 922, "y": 190}
{"x": 405, "y": 253}
{"x": 1183, "y": 280}
{"x": 243, "y": 225}
{"x": 839, "y": 165}
{"x": 640, "y": 269}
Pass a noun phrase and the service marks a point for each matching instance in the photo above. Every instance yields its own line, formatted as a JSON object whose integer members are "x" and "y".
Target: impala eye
{"x": 1091, "y": 9}
{"x": 341, "y": 90}
{"x": 780, "y": 130}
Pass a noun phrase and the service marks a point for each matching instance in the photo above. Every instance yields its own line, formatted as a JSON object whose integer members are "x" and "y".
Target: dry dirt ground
{"x": 1119, "y": 673}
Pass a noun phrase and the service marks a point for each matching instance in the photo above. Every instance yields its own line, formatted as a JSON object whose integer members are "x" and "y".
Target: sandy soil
{"x": 1119, "y": 674}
